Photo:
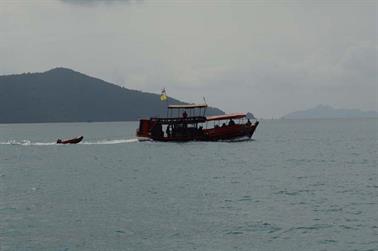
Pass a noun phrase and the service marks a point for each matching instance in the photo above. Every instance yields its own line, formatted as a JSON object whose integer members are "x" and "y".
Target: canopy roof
{"x": 190, "y": 106}
{"x": 227, "y": 116}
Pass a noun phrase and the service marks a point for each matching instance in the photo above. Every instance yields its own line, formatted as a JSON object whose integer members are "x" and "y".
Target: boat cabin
{"x": 182, "y": 121}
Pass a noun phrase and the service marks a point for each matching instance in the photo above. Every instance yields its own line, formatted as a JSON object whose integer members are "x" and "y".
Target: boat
{"x": 70, "y": 141}
{"x": 189, "y": 123}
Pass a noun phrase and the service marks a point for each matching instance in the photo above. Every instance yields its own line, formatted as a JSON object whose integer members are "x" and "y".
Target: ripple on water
{"x": 307, "y": 161}
{"x": 327, "y": 241}
{"x": 246, "y": 198}
{"x": 346, "y": 227}
{"x": 317, "y": 184}
{"x": 330, "y": 209}
{"x": 7, "y": 209}
{"x": 315, "y": 227}
{"x": 263, "y": 227}
{"x": 292, "y": 193}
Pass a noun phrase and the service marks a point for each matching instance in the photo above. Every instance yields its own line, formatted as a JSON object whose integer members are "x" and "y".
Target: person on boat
{"x": 231, "y": 122}
{"x": 169, "y": 131}
{"x": 161, "y": 132}
{"x": 173, "y": 130}
{"x": 184, "y": 115}
{"x": 59, "y": 141}
{"x": 200, "y": 130}
{"x": 248, "y": 123}
{"x": 157, "y": 130}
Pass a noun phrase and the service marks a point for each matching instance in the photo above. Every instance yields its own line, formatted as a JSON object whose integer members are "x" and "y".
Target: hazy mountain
{"x": 64, "y": 95}
{"x": 325, "y": 111}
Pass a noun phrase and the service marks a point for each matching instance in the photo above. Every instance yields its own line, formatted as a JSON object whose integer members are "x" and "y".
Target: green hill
{"x": 64, "y": 95}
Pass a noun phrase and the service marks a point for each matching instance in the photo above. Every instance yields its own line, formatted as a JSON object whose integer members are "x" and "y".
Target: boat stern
{"x": 144, "y": 129}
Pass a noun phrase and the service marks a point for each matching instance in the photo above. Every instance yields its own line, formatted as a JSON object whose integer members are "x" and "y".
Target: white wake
{"x": 99, "y": 142}
{"x": 109, "y": 142}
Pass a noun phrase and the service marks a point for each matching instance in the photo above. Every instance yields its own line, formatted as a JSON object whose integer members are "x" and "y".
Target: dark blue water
{"x": 300, "y": 185}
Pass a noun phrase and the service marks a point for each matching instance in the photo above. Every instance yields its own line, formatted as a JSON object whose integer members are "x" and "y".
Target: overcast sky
{"x": 268, "y": 57}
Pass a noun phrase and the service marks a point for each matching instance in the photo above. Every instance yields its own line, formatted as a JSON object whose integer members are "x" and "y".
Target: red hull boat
{"x": 196, "y": 126}
{"x": 70, "y": 141}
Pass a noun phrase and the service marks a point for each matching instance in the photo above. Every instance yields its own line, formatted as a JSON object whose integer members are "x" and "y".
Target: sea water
{"x": 299, "y": 185}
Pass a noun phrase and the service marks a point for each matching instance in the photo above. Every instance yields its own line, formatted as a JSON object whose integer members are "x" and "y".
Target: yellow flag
{"x": 163, "y": 95}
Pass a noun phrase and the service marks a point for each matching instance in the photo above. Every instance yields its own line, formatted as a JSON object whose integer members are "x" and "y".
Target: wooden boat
{"x": 70, "y": 141}
{"x": 193, "y": 125}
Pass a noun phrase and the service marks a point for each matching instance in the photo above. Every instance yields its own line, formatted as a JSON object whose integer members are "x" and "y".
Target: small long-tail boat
{"x": 70, "y": 141}
{"x": 193, "y": 125}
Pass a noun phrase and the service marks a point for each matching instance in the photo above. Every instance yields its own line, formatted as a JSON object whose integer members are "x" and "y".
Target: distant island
{"x": 65, "y": 95}
{"x": 325, "y": 111}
